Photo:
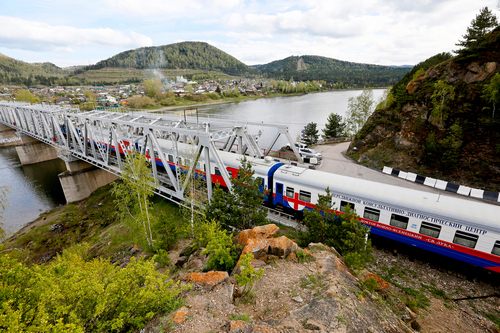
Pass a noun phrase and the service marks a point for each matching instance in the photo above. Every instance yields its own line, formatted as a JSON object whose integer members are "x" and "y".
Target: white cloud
{"x": 40, "y": 36}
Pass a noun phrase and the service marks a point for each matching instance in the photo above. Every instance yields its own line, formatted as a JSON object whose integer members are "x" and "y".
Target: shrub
{"x": 74, "y": 295}
{"x": 248, "y": 275}
{"x": 222, "y": 251}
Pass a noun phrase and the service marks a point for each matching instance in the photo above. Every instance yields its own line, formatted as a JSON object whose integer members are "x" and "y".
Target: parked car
{"x": 309, "y": 153}
{"x": 298, "y": 145}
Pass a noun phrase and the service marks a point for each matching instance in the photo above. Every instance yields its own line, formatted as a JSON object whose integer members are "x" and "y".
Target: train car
{"x": 263, "y": 168}
{"x": 462, "y": 229}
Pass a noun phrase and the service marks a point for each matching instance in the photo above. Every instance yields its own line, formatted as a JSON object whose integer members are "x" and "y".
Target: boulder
{"x": 381, "y": 283}
{"x": 180, "y": 315}
{"x": 207, "y": 280}
{"x": 181, "y": 261}
{"x": 293, "y": 258}
{"x": 134, "y": 250}
{"x": 282, "y": 246}
{"x": 261, "y": 232}
{"x": 257, "y": 247}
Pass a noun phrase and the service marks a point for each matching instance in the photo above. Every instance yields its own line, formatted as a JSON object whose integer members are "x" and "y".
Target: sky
{"x": 382, "y": 32}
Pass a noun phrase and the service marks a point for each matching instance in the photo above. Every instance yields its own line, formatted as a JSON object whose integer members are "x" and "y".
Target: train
{"x": 463, "y": 229}
{"x": 466, "y": 230}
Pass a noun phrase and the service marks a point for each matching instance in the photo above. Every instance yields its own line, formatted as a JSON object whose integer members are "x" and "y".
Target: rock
{"x": 257, "y": 247}
{"x": 478, "y": 73}
{"x": 381, "y": 283}
{"x": 241, "y": 326}
{"x": 313, "y": 325}
{"x": 181, "y": 261}
{"x": 57, "y": 228}
{"x": 261, "y": 232}
{"x": 180, "y": 315}
{"x": 293, "y": 258}
{"x": 134, "y": 250}
{"x": 401, "y": 143}
{"x": 298, "y": 299}
{"x": 282, "y": 246}
{"x": 186, "y": 252}
{"x": 208, "y": 280}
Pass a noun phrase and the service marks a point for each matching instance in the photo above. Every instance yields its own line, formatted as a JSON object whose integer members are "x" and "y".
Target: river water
{"x": 36, "y": 188}
{"x": 33, "y": 188}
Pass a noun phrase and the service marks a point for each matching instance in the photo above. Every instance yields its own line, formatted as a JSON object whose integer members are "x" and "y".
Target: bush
{"x": 222, "y": 251}
{"x": 138, "y": 102}
{"x": 74, "y": 295}
{"x": 248, "y": 275}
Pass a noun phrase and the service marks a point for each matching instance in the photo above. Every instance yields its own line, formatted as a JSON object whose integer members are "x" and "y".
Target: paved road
{"x": 335, "y": 162}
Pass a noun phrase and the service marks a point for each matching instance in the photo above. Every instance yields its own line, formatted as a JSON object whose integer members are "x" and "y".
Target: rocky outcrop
{"x": 260, "y": 243}
{"x": 458, "y": 143}
{"x": 207, "y": 280}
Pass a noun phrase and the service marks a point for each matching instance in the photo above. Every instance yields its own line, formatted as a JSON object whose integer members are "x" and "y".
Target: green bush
{"x": 222, "y": 251}
{"x": 248, "y": 275}
{"x": 74, "y": 295}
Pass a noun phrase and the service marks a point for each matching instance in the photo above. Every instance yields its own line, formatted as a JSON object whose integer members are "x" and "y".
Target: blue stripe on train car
{"x": 435, "y": 248}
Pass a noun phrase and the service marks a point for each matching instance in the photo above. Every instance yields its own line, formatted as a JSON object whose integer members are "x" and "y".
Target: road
{"x": 335, "y": 162}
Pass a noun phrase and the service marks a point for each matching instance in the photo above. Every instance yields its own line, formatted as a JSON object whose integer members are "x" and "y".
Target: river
{"x": 36, "y": 188}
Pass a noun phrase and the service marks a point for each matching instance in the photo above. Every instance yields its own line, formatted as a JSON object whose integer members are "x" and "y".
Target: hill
{"x": 185, "y": 55}
{"x": 351, "y": 74}
{"x": 20, "y": 72}
{"x": 438, "y": 121}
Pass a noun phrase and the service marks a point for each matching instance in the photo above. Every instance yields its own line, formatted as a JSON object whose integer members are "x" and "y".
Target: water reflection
{"x": 33, "y": 188}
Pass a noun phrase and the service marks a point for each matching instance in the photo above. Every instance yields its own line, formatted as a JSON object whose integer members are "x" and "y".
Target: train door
{"x": 278, "y": 199}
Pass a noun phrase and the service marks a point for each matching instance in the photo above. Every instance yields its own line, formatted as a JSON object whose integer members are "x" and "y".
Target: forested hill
{"x": 442, "y": 119}
{"x": 322, "y": 68}
{"x": 185, "y": 55}
{"x": 11, "y": 66}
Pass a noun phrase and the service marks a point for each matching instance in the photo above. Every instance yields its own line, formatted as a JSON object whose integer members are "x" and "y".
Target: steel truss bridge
{"x": 97, "y": 137}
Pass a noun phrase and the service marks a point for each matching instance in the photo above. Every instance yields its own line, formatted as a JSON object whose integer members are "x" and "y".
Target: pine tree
{"x": 484, "y": 22}
{"x": 310, "y": 134}
{"x": 334, "y": 127}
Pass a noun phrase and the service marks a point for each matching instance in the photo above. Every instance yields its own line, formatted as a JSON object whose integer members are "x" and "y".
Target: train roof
{"x": 466, "y": 211}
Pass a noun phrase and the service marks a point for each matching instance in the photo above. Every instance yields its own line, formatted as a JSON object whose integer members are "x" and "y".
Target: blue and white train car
{"x": 462, "y": 229}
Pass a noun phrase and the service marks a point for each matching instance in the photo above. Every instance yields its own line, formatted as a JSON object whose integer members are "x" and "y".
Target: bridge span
{"x": 102, "y": 139}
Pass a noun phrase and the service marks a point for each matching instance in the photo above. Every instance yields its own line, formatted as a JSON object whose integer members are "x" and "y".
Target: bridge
{"x": 102, "y": 139}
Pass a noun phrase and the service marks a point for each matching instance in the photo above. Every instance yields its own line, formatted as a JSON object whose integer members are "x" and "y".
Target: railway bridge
{"x": 93, "y": 144}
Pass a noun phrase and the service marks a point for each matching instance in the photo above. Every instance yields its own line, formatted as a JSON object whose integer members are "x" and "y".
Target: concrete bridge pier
{"x": 31, "y": 151}
{"x": 81, "y": 179}
{"x": 8, "y": 136}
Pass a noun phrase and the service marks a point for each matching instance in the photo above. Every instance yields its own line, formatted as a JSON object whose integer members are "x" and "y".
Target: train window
{"x": 429, "y": 229}
{"x": 371, "y": 214}
{"x": 217, "y": 172}
{"x": 465, "y": 239}
{"x": 279, "y": 188}
{"x": 399, "y": 221}
{"x": 496, "y": 248}
{"x": 305, "y": 196}
{"x": 170, "y": 158}
{"x": 344, "y": 204}
{"x": 290, "y": 192}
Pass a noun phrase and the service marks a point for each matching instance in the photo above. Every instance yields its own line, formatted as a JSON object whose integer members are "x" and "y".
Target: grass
{"x": 244, "y": 317}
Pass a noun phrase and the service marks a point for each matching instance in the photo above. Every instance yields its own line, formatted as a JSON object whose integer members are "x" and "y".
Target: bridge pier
{"x": 81, "y": 179}
{"x": 8, "y": 136}
{"x": 31, "y": 151}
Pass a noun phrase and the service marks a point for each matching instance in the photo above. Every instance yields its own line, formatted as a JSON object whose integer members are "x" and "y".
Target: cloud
{"x": 40, "y": 36}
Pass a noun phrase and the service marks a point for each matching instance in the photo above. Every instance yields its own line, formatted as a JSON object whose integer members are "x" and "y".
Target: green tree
{"x": 491, "y": 91}
{"x": 334, "y": 127}
{"x": 484, "y": 22}
{"x": 153, "y": 88}
{"x": 358, "y": 110}
{"x": 133, "y": 194}
{"x": 443, "y": 92}
{"x": 242, "y": 208}
{"x": 344, "y": 232}
{"x": 310, "y": 134}
{"x": 25, "y": 96}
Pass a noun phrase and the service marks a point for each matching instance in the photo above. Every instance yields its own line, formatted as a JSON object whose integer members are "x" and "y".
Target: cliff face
{"x": 453, "y": 136}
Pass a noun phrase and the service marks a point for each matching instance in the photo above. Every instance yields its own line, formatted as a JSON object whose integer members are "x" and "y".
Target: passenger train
{"x": 466, "y": 230}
